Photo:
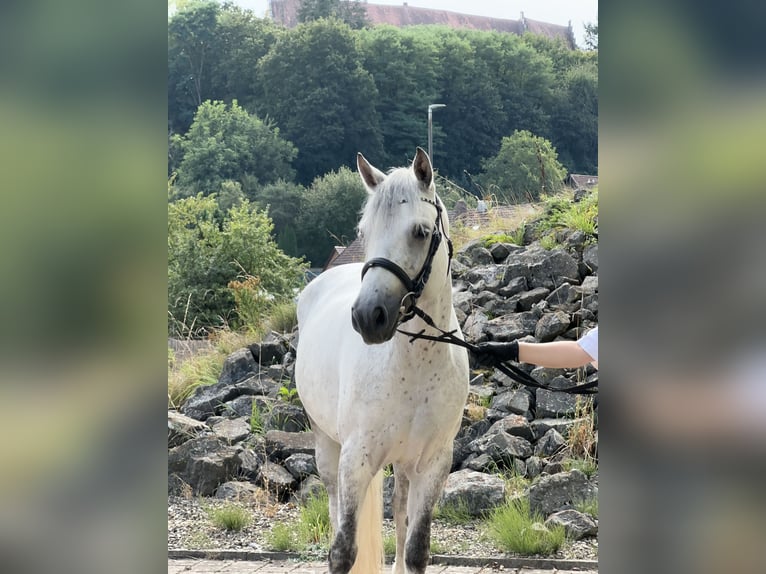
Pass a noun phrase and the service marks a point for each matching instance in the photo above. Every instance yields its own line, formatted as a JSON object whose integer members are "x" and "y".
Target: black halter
{"x": 415, "y": 286}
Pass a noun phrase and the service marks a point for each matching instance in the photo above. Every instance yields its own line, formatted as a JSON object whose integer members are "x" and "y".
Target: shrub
{"x": 525, "y": 167}
{"x": 208, "y": 250}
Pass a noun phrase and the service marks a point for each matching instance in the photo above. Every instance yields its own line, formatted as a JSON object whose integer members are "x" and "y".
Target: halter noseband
{"x": 415, "y": 286}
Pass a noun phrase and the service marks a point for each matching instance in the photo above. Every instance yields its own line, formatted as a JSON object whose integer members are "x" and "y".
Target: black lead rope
{"x": 511, "y": 371}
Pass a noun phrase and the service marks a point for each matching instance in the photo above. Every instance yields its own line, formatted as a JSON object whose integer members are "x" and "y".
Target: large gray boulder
{"x": 576, "y": 524}
{"x": 238, "y": 366}
{"x": 203, "y": 463}
{"x": 281, "y": 444}
{"x": 551, "y": 325}
{"x": 182, "y": 428}
{"x": 502, "y": 447}
{"x": 477, "y": 492}
{"x": 209, "y": 400}
{"x": 560, "y": 491}
{"x": 233, "y": 430}
{"x": 276, "y": 479}
{"x": 237, "y": 490}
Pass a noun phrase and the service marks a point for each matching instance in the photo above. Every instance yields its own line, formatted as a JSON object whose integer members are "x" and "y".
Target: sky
{"x": 552, "y": 11}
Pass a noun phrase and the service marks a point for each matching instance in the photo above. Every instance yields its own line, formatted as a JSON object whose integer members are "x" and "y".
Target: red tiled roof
{"x": 353, "y": 253}
{"x": 286, "y": 12}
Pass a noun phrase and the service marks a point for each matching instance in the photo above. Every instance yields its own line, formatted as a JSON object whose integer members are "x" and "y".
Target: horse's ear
{"x": 371, "y": 176}
{"x": 422, "y": 167}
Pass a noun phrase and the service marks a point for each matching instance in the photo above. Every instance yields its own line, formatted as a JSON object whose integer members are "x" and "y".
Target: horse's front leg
{"x": 355, "y": 473}
{"x": 425, "y": 489}
{"x": 399, "y": 503}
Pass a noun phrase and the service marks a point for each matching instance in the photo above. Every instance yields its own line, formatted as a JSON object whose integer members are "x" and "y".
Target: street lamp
{"x": 431, "y": 108}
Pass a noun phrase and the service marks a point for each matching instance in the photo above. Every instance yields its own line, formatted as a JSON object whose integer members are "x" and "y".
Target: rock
{"x": 286, "y": 417}
{"x": 543, "y": 425}
{"x": 233, "y": 430}
{"x": 475, "y": 254}
{"x": 500, "y": 251}
{"x": 590, "y": 257}
{"x": 512, "y": 327}
{"x": 575, "y": 240}
{"x": 554, "y": 404}
{"x": 239, "y": 407}
{"x": 311, "y": 487}
{"x": 389, "y": 484}
{"x": 477, "y": 491}
{"x": 514, "y": 425}
{"x": 551, "y": 325}
{"x": 534, "y": 467}
{"x": 563, "y": 295}
{"x": 528, "y": 299}
{"x": 560, "y": 491}
{"x": 178, "y": 487}
{"x": 501, "y": 447}
{"x": 480, "y": 463}
{"x": 487, "y": 275}
{"x": 590, "y": 284}
{"x": 238, "y": 366}
{"x": 203, "y": 463}
{"x": 276, "y": 479}
{"x": 576, "y": 524}
{"x": 281, "y": 444}
{"x": 550, "y": 443}
{"x": 463, "y": 301}
{"x": 461, "y": 445}
{"x": 249, "y": 463}
{"x": 209, "y": 400}
{"x": 269, "y": 351}
{"x": 301, "y": 465}
{"x": 236, "y": 490}
{"x": 516, "y": 401}
{"x": 553, "y": 467}
{"x": 546, "y": 268}
{"x": 513, "y": 286}
{"x": 474, "y": 327}
{"x": 182, "y": 428}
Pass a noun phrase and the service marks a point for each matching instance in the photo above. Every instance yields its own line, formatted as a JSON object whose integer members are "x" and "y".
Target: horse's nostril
{"x": 379, "y": 317}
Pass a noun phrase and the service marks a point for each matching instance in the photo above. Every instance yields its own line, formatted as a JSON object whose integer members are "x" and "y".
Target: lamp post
{"x": 431, "y": 108}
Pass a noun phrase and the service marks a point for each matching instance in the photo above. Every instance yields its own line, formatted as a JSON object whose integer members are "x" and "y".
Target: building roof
{"x": 580, "y": 181}
{"x": 353, "y": 253}
{"x": 286, "y": 13}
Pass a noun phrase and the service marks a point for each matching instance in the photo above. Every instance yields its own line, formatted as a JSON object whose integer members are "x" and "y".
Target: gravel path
{"x": 189, "y": 528}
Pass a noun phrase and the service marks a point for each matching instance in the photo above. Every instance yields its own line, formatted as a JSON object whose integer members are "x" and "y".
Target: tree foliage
{"x": 525, "y": 167}
{"x": 320, "y": 95}
{"x": 227, "y": 143}
{"x": 329, "y": 214}
{"x": 209, "y": 248}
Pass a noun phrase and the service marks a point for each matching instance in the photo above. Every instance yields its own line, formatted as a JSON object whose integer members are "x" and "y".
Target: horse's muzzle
{"x": 374, "y": 323}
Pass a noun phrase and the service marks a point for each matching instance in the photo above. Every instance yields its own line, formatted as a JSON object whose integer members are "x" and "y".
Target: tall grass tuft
{"x": 229, "y": 517}
{"x": 515, "y": 529}
{"x": 314, "y": 522}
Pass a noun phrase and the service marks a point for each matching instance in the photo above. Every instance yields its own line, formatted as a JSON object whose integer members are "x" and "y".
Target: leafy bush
{"x": 330, "y": 213}
{"x": 209, "y": 249}
{"x": 525, "y": 167}
{"x": 225, "y": 143}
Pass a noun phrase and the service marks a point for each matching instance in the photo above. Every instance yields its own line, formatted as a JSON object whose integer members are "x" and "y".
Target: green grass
{"x": 314, "y": 523}
{"x": 456, "y": 513}
{"x": 229, "y": 517}
{"x": 548, "y": 242}
{"x": 587, "y": 465}
{"x": 589, "y": 506}
{"x": 311, "y": 529}
{"x": 389, "y": 544}
{"x": 283, "y": 317}
{"x": 256, "y": 420}
{"x": 513, "y": 528}
{"x": 562, "y": 213}
{"x": 283, "y": 537}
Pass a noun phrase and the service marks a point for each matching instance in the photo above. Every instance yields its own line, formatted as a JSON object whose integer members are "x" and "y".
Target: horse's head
{"x": 402, "y": 227}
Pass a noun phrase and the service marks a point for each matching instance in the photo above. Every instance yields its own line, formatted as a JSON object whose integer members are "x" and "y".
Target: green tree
{"x": 526, "y": 166}
{"x": 209, "y": 248}
{"x": 227, "y": 143}
{"x": 329, "y": 214}
{"x": 352, "y": 12}
{"x": 403, "y": 64}
{"x": 191, "y": 58}
{"x": 283, "y": 201}
{"x": 591, "y": 36}
{"x": 319, "y": 94}
{"x": 575, "y": 119}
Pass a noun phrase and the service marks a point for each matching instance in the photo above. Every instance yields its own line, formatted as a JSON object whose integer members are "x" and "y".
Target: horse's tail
{"x": 369, "y": 531}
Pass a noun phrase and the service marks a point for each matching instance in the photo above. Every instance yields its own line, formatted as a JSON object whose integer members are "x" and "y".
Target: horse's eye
{"x": 420, "y": 232}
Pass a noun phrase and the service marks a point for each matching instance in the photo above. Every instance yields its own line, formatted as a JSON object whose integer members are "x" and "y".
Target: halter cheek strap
{"x": 414, "y": 287}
